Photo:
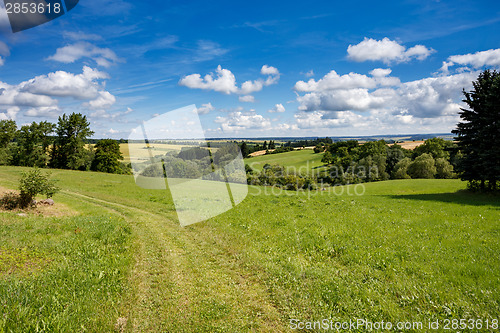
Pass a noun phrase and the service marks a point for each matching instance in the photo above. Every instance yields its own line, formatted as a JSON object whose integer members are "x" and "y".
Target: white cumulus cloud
{"x": 225, "y": 82}
{"x": 70, "y": 53}
{"x": 430, "y": 97}
{"x": 65, "y": 84}
{"x": 341, "y": 100}
{"x": 249, "y": 87}
{"x": 285, "y": 127}
{"x": 386, "y": 50}
{"x": 325, "y": 119}
{"x": 239, "y": 121}
{"x": 38, "y": 96}
{"x": 380, "y": 72}
{"x": 104, "y": 101}
{"x": 10, "y": 113}
{"x": 269, "y": 70}
{"x": 44, "y": 111}
{"x": 205, "y": 108}
{"x": 480, "y": 59}
{"x": 247, "y": 99}
{"x": 278, "y": 108}
{"x": 334, "y": 81}
{"x": 434, "y": 96}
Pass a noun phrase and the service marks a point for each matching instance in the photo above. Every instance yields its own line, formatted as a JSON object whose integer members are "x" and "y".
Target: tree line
{"x": 349, "y": 162}
{"x": 63, "y": 145}
{"x": 248, "y": 148}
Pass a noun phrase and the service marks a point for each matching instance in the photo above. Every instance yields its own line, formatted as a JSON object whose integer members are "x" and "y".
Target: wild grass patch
{"x": 62, "y": 274}
{"x": 21, "y": 261}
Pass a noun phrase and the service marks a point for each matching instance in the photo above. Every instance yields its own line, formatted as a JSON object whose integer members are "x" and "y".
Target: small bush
{"x": 35, "y": 182}
{"x": 10, "y": 200}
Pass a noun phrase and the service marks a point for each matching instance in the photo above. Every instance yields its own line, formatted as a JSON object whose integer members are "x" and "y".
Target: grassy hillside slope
{"x": 303, "y": 160}
{"x": 409, "y": 250}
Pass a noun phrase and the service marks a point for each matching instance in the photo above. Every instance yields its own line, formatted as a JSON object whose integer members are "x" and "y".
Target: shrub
{"x": 318, "y": 149}
{"x": 249, "y": 170}
{"x": 277, "y": 175}
{"x": 327, "y": 158}
{"x": 125, "y": 168}
{"x": 9, "y": 200}
{"x": 35, "y": 182}
{"x": 309, "y": 184}
{"x": 153, "y": 170}
{"x": 293, "y": 182}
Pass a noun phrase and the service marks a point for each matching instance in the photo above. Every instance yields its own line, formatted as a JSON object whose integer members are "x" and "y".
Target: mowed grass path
{"x": 410, "y": 250}
{"x": 299, "y": 160}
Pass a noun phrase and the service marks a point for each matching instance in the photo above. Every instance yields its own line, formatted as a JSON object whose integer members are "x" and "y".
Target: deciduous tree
{"x": 69, "y": 147}
{"x": 8, "y": 130}
{"x": 34, "y": 140}
{"x": 401, "y": 169}
{"x": 423, "y": 166}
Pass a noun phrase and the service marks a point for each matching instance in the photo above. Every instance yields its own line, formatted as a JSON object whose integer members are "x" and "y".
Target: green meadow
{"x": 111, "y": 256}
{"x": 304, "y": 160}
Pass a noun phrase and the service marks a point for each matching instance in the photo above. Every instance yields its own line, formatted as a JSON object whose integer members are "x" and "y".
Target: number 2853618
{"x": 33, "y": 8}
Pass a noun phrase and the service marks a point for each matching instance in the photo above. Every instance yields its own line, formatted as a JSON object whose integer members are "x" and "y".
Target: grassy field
{"x": 142, "y": 154}
{"x": 408, "y": 250}
{"x": 300, "y": 160}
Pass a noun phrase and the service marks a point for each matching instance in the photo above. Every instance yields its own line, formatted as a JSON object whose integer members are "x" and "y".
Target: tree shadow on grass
{"x": 461, "y": 197}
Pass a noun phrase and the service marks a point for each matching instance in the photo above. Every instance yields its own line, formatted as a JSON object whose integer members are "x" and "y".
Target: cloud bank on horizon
{"x": 248, "y": 80}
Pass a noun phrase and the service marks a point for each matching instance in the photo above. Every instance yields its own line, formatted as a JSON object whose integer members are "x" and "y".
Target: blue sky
{"x": 253, "y": 69}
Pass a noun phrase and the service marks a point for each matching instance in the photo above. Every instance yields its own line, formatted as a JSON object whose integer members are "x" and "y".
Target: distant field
{"x": 304, "y": 159}
{"x": 142, "y": 154}
{"x": 405, "y": 250}
{"x": 409, "y": 144}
